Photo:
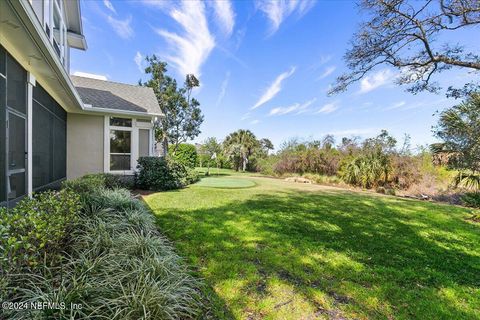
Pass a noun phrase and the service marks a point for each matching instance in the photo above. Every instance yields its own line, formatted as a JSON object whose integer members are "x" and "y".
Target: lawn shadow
{"x": 349, "y": 248}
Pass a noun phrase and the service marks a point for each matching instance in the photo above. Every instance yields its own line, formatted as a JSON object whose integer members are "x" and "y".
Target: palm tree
{"x": 239, "y": 146}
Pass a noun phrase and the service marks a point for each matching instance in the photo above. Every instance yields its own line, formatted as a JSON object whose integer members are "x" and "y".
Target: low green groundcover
{"x": 217, "y": 182}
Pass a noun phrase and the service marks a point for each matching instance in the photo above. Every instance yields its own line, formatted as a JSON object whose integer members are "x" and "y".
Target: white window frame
{"x": 134, "y": 151}
{"x": 151, "y": 144}
{"x": 50, "y": 8}
{"x": 133, "y": 145}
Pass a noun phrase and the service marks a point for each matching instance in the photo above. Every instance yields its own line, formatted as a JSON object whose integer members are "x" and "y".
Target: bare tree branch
{"x": 403, "y": 34}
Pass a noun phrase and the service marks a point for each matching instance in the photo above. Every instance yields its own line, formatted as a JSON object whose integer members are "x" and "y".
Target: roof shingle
{"x": 117, "y": 96}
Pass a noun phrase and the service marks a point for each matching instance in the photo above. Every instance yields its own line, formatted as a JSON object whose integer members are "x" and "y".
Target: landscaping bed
{"x": 92, "y": 251}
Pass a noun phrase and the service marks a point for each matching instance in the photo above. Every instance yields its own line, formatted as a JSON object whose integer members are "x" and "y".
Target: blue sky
{"x": 263, "y": 66}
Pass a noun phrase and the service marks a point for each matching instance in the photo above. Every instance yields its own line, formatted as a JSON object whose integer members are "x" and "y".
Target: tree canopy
{"x": 459, "y": 130}
{"x": 239, "y": 146}
{"x": 183, "y": 115}
{"x": 406, "y": 35}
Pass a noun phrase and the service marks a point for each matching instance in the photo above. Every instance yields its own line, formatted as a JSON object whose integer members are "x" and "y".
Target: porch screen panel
{"x": 3, "y": 133}
{"x": 2, "y": 61}
{"x": 59, "y": 149}
{"x": 49, "y": 139}
{"x": 16, "y": 86}
{"x": 42, "y": 146}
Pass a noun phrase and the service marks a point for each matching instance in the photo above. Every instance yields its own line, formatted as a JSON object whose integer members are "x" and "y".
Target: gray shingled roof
{"x": 114, "y": 95}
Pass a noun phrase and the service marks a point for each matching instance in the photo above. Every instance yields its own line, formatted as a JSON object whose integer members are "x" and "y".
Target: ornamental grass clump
{"x": 118, "y": 266}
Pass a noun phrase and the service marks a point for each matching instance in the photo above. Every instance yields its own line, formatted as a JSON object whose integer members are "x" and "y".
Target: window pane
{"x": 120, "y": 141}
{"x": 119, "y": 162}
{"x": 120, "y": 122}
{"x": 143, "y": 142}
{"x": 16, "y": 86}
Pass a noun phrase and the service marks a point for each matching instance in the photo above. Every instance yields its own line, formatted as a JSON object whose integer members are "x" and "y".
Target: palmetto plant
{"x": 367, "y": 170}
{"x": 468, "y": 180}
{"x": 239, "y": 146}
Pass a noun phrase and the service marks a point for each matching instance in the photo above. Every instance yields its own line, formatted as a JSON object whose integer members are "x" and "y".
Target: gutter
{"x": 90, "y": 108}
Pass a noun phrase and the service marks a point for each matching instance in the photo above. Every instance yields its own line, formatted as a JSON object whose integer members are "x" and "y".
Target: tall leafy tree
{"x": 183, "y": 115}
{"x": 240, "y": 146}
{"x": 266, "y": 146}
{"x": 212, "y": 148}
{"x": 459, "y": 130}
{"x": 404, "y": 34}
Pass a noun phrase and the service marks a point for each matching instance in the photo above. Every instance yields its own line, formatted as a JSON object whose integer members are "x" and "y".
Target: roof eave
{"x": 90, "y": 108}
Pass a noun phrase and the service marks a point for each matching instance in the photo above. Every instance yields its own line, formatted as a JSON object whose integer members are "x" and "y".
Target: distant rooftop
{"x": 118, "y": 96}
{"x": 90, "y": 75}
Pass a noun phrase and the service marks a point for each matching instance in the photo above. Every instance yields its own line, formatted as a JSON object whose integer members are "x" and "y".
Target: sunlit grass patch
{"x": 290, "y": 251}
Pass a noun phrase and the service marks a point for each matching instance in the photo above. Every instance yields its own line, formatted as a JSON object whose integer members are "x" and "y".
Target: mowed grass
{"x": 222, "y": 182}
{"x": 282, "y": 250}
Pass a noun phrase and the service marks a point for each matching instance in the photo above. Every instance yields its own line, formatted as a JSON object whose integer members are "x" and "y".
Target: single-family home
{"x": 54, "y": 126}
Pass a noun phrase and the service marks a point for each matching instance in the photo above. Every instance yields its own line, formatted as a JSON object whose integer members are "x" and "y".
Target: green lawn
{"x": 282, "y": 250}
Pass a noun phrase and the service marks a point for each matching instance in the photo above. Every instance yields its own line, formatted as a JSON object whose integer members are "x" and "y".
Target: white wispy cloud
{"x": 109, "y": 6}
{"x": 278, "y": 10}
{"x": 255, "y": 121}
{"x": 139, "y": 61}
{"x": 321, "y": 61}
{"x": 190, "y": 48}
{"x": 224, "y": 15}
{"x": 376, "y": 80}
{"x": 396, "y": 105}
{"x": 121, "y": 27}
{"x": 297, "y": 107}
{"x": 402, "y": 105}
{"x": 274, "y": 88}
{"x": 328, "y": 108}
{"x": 328, "y": 71}
{"x": 245, "y": 116}
{"x": 223, "y": 88}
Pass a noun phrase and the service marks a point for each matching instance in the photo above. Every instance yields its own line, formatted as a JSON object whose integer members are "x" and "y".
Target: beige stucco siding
{"x": 84, "y": 144}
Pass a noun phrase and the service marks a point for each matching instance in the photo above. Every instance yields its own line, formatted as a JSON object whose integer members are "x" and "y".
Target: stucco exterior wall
{"x": 84, "y": 144}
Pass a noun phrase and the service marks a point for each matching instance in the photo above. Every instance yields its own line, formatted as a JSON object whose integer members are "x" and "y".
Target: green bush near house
{"x": 185, "y": 153}
{"x": 35, "y": 232}
{"x": 90, "y": 182}
{"x": 114, "y": 261}
{"x": 158, "y": 174}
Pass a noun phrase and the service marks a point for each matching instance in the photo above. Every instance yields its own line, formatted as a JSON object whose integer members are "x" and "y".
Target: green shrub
{"x": 185, "y": 153}
{"x": 192, "y": 176}
{"x": 85, "y": 184}
{"x": 266, "y": 165}
{"x": 471, "y": 199}
{"x": 119, "y": 267}
{"x": 36, "y": 231}
{"x": 91, "y": 182}
{"x": 155, "y": 173}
